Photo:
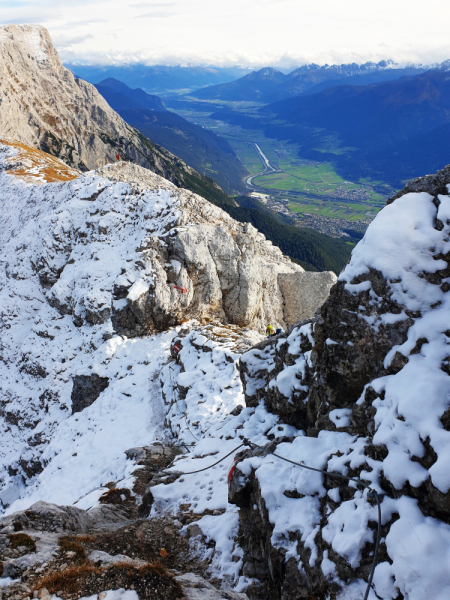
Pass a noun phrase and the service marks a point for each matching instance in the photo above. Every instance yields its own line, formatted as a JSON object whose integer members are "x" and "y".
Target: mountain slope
{"x": 137, "y": 98}
{"x": 393, "y": 110}
{"x": 252, "y": 87}
{"x": 43, "y": 105}
{"x": 374, "y": 131}
{"x": 364, "y": 78}
{"x": 201, "y": 149}
{"x": 380, "y": 125}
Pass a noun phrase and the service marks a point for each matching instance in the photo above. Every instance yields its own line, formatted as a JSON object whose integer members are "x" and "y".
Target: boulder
{"x": 86, "y": 389}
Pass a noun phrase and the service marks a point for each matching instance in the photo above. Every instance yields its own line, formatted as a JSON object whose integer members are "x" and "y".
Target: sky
{"x": 252, "y": 33}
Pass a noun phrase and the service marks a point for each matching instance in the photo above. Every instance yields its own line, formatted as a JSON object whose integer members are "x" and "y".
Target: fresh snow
{"x": 200, "y": 398}
{"x": 402, "y": 243}
{"x": 85, "y": 450}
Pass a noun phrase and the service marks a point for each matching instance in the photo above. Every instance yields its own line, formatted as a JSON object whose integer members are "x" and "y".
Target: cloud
{"x": 254, "y": 33}
{"x": 157, "y": 14}
{"x": 153, "y": 5}
{"x": 65, "y": 42}
{"x": 13, "y": 3}
{"x": 75, "y": 24}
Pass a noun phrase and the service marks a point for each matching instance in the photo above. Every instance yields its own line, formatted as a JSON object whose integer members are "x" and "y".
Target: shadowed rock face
{"x": 371, "y": 369}
{"x": 86, "y": 389}
{"x": 343, "y": 369}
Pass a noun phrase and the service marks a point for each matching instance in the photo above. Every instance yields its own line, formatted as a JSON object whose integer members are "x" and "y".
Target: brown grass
{"x": 70, "y": 579}
{"x": 84, "y": 539}
{"x": 78, "y": 579}
{"x": 22, "y": 539}
{"x": 155, "y": 568}
{"x": 69, "y": 545}
{"x": 50, "y": 168}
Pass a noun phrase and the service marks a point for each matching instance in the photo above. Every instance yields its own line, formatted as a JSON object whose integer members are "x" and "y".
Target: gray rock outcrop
{"x": 304, "y": 292}
{"x": 86, "y": 389}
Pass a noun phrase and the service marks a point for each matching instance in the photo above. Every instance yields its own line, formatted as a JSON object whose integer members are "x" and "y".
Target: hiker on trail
{"x": 175, "y": 348}
{"x": 118, "y": 157}
{"x": 270, "y": 331}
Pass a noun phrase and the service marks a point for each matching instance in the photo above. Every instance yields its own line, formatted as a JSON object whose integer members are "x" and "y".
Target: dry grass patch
{"x": 67, "y": 544}
{"x": 70, "y": 580}
{"x": 151, "y": 581}
{"x": 83, "y": 539}
{"x": 22, "y": 539}
{"x": 46, "y": 168}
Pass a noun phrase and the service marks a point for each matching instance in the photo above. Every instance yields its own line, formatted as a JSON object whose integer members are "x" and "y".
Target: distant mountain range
{"x": 269, "y": 85}
{"x": 256, "y": 86}
{"x": 200, "y": 148}
{"x": 367, "y": 131}
{"x": 159, "y": 78}
{"x": 120, "y": 97}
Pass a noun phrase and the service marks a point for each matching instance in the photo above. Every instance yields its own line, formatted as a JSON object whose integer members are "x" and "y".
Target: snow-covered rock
{"x": 362, "y": 390}
{"x": 369, "y": 383}
{"x": 93, "y": 268}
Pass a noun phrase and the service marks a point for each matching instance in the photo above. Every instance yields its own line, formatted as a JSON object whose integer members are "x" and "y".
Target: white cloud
{"x": 282, "y": 33}
{"x": 156, "y": 14}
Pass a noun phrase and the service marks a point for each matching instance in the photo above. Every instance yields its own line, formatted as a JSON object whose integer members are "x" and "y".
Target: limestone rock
{"x": 45, "y": 106}
{"x": 196, "y": 588}
{"x": 43, "y": 516}
{"x": 304, "y": 292}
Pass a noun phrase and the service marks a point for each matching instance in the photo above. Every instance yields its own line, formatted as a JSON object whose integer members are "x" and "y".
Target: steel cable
{"x": 371, "y": 494}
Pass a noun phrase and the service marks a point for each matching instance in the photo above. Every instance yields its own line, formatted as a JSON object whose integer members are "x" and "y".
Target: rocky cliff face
{"x": 368, "y": 383}
{"x": 111, "y": 257}
{"x": 43, "y": 105}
